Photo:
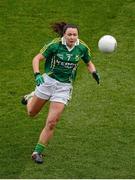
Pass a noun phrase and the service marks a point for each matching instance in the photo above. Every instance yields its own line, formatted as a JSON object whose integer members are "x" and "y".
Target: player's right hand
{"x": 39, "y": 79}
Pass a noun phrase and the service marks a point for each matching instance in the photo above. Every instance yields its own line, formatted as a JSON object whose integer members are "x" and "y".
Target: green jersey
{"x": 61, "y": 62}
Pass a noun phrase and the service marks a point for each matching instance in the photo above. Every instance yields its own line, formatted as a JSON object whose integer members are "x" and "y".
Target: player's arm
{"x": 35, "y": 64}
{"x": 87, "y": 59}
{"x": 92, "y": 70}
{"x": 91, "y": 67}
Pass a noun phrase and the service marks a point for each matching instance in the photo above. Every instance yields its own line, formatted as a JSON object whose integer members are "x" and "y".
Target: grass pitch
{"x": 95, "y": 137}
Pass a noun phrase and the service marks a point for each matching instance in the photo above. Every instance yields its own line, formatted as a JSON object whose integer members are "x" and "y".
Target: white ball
{"x": 107, "y": 44}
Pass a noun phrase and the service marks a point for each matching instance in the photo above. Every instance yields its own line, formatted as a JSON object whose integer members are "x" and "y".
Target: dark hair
{"x": 61, "y": 27}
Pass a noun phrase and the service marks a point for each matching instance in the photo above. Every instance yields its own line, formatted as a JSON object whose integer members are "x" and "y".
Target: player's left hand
{"x": 96, "y": 76}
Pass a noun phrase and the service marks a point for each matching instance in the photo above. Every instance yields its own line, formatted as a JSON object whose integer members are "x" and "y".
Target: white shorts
{"x": 54, "y": 90}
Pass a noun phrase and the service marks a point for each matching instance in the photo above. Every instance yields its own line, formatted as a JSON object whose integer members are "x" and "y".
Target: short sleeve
{"x": 86, "y": 55}
{"x": 47, "y": 51}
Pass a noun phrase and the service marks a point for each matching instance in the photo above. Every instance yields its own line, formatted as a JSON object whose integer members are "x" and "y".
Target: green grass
{"x": 95, "y": 137}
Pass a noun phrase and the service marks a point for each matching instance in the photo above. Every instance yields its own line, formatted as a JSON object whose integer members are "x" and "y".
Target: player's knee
{"x": 31, "y": 113}
{"x": 51, "y": 124}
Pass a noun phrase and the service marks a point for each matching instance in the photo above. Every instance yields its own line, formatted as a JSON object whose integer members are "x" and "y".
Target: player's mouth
{"x": 71, "y": 42}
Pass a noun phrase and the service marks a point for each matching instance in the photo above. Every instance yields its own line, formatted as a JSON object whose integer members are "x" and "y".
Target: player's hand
{"x": 96, "y": 76}
{"x": 39, "y": 79}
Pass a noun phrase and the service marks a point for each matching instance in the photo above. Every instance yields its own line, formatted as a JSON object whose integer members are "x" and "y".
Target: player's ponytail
{"x": 58, "y": 27}
{"x": 61, "y": 27}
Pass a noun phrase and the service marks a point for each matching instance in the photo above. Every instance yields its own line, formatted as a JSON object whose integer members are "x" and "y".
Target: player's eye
{"x": 69, "y": 34}
{"x": 74, "y": 34}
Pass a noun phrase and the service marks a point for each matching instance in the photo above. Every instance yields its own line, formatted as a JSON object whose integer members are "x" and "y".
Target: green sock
{"x": 39, "y": 148}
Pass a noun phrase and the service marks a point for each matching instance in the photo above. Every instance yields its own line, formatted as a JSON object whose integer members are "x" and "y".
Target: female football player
{"x": 61, "y": 58}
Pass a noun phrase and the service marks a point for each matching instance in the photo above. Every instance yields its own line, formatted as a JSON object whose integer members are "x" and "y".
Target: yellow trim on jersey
{"x": 82, "y": 42}
{"x": 47, "y": 45}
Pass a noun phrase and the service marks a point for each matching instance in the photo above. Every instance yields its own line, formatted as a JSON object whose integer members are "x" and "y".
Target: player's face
{"x": 71, "y": 36}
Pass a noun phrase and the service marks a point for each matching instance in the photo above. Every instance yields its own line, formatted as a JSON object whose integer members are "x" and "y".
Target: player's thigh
{"x": 35, "y": 105}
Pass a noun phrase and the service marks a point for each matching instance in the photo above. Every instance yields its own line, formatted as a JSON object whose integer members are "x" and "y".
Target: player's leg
{"x": 55, "y": 111}
{"x": 59, "y": 98}
{"x": 34, "y": 105}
